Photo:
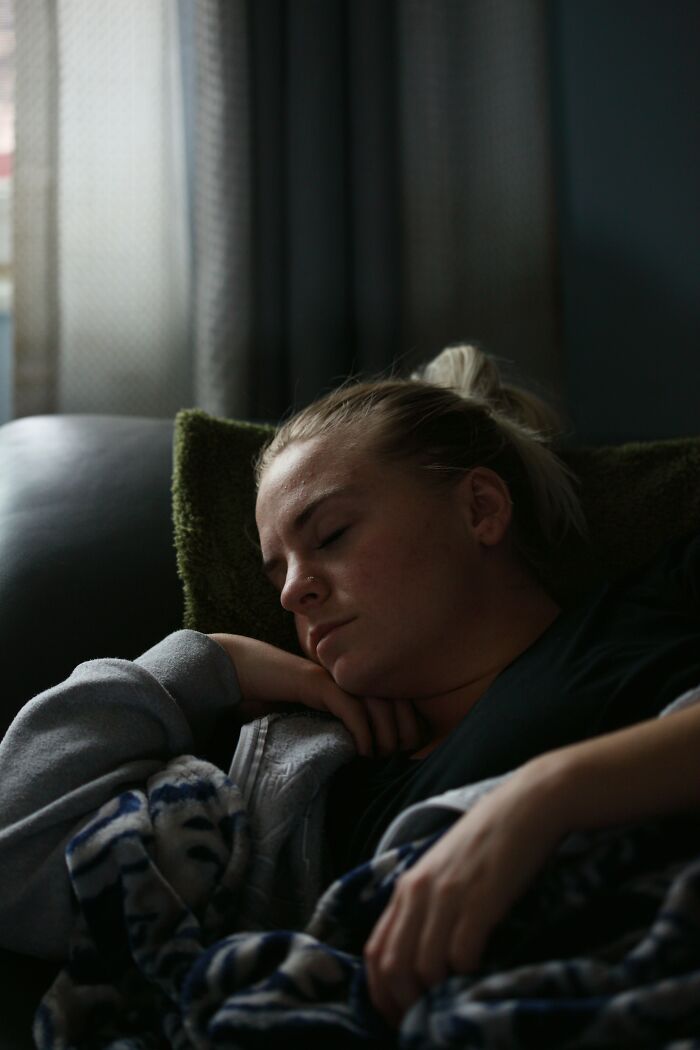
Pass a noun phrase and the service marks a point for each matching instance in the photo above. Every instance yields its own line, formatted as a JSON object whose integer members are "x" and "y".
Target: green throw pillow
{"x": 636, "y": 497}
{"x": 216, "y": 538}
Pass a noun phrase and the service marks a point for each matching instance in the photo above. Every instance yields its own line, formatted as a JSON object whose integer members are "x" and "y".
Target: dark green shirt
{"x": 619, "y": 657}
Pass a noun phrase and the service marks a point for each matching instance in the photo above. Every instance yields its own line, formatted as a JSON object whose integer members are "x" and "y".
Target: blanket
{"x": 603, "y": 950}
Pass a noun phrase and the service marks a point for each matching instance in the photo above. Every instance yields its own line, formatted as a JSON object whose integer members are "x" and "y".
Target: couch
{"x": 88, "y": 565}
{"x": 87, "y": 569}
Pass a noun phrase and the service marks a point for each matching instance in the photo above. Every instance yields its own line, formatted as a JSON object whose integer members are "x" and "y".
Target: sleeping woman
{"x": 404, "y": 524}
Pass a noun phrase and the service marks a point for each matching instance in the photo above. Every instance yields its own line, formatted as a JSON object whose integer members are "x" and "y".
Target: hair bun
{"x": 476, "y": 376}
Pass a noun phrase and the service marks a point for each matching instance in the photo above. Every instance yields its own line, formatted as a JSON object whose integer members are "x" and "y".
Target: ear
{"x": 487, "y": 505}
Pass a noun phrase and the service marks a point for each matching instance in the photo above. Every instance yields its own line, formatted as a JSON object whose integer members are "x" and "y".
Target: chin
{"x": 349, "y": 677}
{"x": 362, "y": 681}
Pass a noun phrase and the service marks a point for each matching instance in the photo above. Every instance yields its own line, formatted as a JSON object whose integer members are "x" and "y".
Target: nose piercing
{"x": 310, "y": 579}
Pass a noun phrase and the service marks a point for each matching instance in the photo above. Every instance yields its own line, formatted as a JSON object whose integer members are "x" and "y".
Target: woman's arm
{"x": 113, "y": 724}
{"x": 110, "y": 726}
{"x": 267, "y": 675}
{"x": 646, "y": 770}
{"x": 444, "y": 909}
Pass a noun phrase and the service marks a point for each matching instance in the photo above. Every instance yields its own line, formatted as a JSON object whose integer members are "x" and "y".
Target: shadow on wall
{"x": 626, "y": 93}
{"x": 633, "y": 348}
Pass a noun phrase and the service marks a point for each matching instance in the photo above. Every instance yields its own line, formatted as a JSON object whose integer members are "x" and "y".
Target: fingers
{"x": 396, "y": 725}
{"x": 441, "y": 941}
{"x": 410, "y": 725}
{"x": 379, "y": 727}
{"x": 433, "y": 926}
{"x": 468, "y": 940}
{"x": 353, "y": 715}
{"x": 420, "y": 938}
{"x": 444, "y": 908}
{"x": 389, "y": 952}
{"x": 382, "y": 719}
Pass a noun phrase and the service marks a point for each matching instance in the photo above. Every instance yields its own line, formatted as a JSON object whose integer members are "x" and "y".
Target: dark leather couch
{"x": 87, "y": 569}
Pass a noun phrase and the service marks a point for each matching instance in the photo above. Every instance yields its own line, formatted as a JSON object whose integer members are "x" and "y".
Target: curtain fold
{"x": 391, "y": 192}
{"x": 477, "y": 186}
{"x": 35, "y": 251}
{"x": 223, "y": 183}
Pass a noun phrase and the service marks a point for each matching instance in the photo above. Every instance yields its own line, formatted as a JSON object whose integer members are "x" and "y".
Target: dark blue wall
{"x": 626, "y": 85}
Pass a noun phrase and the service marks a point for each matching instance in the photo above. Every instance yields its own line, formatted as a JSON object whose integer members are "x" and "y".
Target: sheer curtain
{"x": 101, "y": 237}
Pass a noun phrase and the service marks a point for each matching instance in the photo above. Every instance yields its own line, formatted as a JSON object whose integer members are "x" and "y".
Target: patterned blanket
{"x": 603, "y": 951}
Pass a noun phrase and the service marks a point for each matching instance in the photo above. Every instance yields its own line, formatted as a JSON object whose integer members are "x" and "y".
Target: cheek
{"x": 386, "y": 571}
{"x": 424, "y": 557}
{"x": 428, "y": 549}
{"x": 428, "y": 574}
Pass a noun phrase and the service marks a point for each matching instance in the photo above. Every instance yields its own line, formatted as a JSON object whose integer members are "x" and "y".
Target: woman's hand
{"x": 270, "y": 677}
{"x": 444, "y": 908}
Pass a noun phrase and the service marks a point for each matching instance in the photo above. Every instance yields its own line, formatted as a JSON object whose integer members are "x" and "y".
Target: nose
{"x": 301, "y": 591}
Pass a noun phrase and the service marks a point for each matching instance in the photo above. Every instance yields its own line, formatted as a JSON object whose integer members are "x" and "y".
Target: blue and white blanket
{"x": 603, "y": 951}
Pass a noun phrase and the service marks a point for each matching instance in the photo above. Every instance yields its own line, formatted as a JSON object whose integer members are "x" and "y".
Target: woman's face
{"x": 381, "y": 569}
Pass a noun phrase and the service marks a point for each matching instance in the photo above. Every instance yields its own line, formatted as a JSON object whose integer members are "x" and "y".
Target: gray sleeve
{"x": 109, "y": 726}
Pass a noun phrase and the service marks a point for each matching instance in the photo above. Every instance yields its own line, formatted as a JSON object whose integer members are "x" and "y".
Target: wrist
{"x": 242, "y": 652}
{"x": 553, "y": 782}
{"x": 267, "y": 674}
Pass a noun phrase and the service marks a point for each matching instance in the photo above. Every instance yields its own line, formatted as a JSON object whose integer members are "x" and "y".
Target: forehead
{"x": 307, "y": 469}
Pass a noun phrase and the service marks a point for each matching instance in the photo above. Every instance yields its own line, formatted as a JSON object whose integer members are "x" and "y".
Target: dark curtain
{"x": 371, "y": 181}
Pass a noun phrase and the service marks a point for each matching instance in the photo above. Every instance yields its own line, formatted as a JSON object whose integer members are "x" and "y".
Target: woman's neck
{"x": 502, "y": 638}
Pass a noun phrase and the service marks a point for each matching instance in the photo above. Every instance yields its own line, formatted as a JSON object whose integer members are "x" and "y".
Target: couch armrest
{"x": 87, "y": 562}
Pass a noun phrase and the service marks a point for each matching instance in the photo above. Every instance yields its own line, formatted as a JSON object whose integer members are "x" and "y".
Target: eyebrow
{"x": 305, "y": 515}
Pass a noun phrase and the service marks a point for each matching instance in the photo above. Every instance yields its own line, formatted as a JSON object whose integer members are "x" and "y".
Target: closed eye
{"x": 332, "y": 538}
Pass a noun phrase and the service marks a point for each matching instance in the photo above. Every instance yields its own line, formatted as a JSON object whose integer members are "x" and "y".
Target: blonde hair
{"x": 455, "y": 414}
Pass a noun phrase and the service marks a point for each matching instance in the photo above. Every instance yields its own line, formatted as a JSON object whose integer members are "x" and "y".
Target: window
{"x": 7, "y": 152}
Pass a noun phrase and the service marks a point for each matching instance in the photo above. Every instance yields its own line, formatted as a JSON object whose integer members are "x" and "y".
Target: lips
{"x": 322, "y": 630}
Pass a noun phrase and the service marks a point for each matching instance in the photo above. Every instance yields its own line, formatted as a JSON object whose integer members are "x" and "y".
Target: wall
{"x": 626, "y": 86}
